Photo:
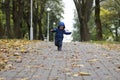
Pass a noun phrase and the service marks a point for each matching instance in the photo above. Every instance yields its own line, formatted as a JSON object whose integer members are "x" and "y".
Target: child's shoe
{"x": 59, "y": 49}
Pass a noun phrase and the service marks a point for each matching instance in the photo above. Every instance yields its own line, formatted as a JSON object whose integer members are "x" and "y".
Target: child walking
{"x": 59, "y": 35}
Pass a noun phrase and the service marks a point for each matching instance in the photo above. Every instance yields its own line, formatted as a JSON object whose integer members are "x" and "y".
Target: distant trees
{"x": 15, "y": 17}
{"x": 76, "y": 30}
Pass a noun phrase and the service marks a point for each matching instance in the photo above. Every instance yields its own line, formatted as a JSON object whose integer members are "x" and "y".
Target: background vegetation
{"x": 93, "y": 20}
{"x": 102, "y": 20}
{"x": 15, "y": 17}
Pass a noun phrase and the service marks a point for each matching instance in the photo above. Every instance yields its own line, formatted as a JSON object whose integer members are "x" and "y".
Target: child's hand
{"x": 67, "y": 30}
{"x": 51, "y": 30}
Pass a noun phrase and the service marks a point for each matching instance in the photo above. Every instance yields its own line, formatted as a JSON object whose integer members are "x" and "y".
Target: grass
{"x": 108, "y": 45}
{"x": 105, "y": 42}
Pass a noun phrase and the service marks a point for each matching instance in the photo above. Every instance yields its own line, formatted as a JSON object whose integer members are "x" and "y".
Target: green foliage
{"x": 76, "y": 31}
{"x": 56, "y": 12}
{"x": 110, "y": 14}
{"x": 39, "y": 15}
{"x": 104, "y": 42}
{"x": 76, "y": 36}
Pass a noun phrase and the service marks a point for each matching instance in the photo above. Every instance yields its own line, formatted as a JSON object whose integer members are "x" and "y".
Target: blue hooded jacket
{"x": 59, "y": 33}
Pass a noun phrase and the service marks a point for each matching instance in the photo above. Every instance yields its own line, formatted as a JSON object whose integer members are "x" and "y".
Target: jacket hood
{"x": 61, "y": 24}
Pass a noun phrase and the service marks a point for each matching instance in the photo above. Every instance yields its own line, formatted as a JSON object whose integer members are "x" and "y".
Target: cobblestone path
{"x": 77, "y": 61}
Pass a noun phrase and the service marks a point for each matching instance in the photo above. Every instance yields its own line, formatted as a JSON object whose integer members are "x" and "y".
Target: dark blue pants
{"x": 58, "y": 43}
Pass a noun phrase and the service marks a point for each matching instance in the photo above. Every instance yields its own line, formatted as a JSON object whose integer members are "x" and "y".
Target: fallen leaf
{"x": 9, "y": 49}
{"x": 92, "y": 60}
{"x": 25, "y": 79}
{"x": 2, "y": 78}
{"x": 67, "y": 69}
{"x": 75, "y": 75}
{"x": 23, "y": 50}
{"x": 84, "y": 74}
{"x": 9, "y": 67}
{"x": 3, "y": 62}
{"x": 68, "y": 73}
{"x": 38, "y": 66}
{"x": 118, "y": 66}
{"x": 19, "y": 60}
{"x": 16, "y": 54}
{"x": 98, "y": 67}
{"x": 81, "y": 74}
{"x": 54, "y": 78}
{"x": 72, "y": 59}
{"x": 77, "y": 65}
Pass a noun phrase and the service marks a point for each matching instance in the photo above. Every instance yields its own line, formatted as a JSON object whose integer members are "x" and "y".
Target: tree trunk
{"x": 1, "y": 30}
{"x": 97, "y": 20}
{"x": 35, "y": 30}
{"x": 7, "y": 12}
{"x": 20, "y": 12}
{"x": 17, "y": 18}
{"x": 84, "y": 10}
{"x": 35, "y": 20}
{"x": 40, "y": 36}
{"x": 83, "y": 19}
{"x": 116, "y": 33}
{"x": 84, "y": 31}
{"x": 26, "y": 16}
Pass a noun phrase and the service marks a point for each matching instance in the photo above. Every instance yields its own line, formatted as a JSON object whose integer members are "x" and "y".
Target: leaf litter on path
{"x": 11, "y": 49}
{"x": 1, "y": 78}
{"x": 112, "y": 46}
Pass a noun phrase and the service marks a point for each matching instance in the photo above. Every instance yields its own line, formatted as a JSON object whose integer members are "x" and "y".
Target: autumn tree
{"x": 84, "y": 10}
{"x": 110, "y": 16}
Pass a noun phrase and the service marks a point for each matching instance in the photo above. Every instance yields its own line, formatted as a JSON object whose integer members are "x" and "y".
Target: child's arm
{"x": 67, "y": 33}
{"x": 53, "y": 30}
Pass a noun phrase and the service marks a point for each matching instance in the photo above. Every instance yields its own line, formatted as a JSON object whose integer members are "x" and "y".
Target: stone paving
{"x": 77, "y": 61}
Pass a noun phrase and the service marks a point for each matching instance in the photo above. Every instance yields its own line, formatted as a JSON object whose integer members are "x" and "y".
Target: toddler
{"x": 59, "y": 35}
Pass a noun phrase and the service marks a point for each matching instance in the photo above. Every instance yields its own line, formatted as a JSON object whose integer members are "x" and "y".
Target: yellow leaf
{"x": 38, "y": 66}
{"x": 77, "y": 65}
{"x": 84, "y": 74}
{"x": 81, "y": 74}
{"x": 92, "y": 60}
{"x": 23, "y": 50}
{"x": 25, "y": 79}
{"x": 16, "y": 54}
{"x": 9, "y": 67}
{"x": 2, "y": 78}
{"x": 67, "y": 69}
{"x": 75, "y": 75}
